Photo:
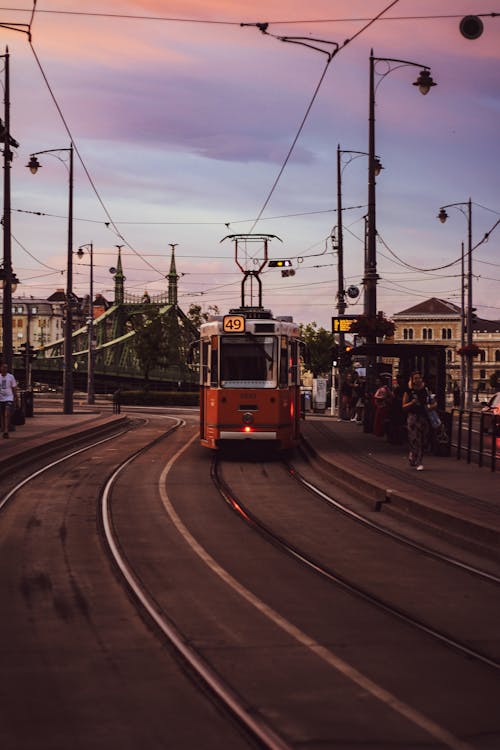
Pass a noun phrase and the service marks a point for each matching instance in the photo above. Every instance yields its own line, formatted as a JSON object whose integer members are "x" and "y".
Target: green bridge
{"x": 115, "y": 355}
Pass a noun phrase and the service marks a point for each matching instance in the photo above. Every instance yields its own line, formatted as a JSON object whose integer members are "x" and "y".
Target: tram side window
{"x": 294, "y": 363}
{"x": 214, "y": 368}
{"x": 284, "y": 364}
{"x": 204, "y": 363}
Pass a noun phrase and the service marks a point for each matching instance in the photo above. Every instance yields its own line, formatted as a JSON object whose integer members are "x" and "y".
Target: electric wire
{"x": 214, "y": 22}
{"x": 84, "y": 166}
{"x": 309, "y": 107}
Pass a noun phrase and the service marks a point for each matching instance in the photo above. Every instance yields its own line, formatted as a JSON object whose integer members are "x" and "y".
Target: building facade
{"x": 438, "y": 321}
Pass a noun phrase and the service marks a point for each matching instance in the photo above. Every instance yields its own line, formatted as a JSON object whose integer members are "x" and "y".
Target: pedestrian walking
{"x": 8, "y": 397}
{"x": 417, "y": 402}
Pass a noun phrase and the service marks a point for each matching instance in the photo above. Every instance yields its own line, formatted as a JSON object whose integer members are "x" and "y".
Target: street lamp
{"x": 8, "y": 277}
{"x": 341, "y": 303}
{"x": 90, "y": 361}
{"x": 34, "y": 165}
{"x": 466, "y": 209}
{"x": 424, "y": 83}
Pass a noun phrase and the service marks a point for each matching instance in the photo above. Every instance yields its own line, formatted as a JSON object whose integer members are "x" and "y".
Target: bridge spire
{"x": 172, "y": 277}
{"x": 119, "y": 279}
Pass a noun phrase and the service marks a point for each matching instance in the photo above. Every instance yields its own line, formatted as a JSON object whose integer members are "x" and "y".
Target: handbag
{"x": 434, "y": 418}
{"x": 17, "y": 416}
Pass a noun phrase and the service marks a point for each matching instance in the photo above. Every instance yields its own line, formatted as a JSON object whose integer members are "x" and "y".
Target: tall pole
{"x": 370, "y": 277}
{"x": 68, "y": 328}
{"x": 462, "y": 332}
{"x": 469, "y": 359}
{"x": 341, "y": 293}
{"x": 7, "y": 247}
{"x": 90, "y": 364}
{"x": 341, "y": 306}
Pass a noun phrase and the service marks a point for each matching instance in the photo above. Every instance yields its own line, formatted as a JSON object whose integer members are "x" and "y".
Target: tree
{"x": 373, "y": 327}
{"x": 320, "y": 345}
{"x": 198, "y": 317}
{"x": 150, "y": 341}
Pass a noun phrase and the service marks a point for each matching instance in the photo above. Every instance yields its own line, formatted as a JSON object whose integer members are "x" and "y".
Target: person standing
{"x": 8, "y": 396}
{"x": 417, "y": 401}
{"x": 382, "y": 400}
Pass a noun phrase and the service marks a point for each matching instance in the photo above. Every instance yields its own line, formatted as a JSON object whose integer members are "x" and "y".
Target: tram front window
{"x": 248, "y": 362}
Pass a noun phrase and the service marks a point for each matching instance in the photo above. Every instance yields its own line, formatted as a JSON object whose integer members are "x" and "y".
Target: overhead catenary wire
{"x": 331, "y": 55}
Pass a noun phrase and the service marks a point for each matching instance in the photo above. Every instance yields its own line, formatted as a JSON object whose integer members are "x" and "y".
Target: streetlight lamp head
{"x": 14, "y": 281}
{"x": 33, "y": 165}
{"x": 424, "y": 82}
{"x": 442, "y": 216}
{"x": 377, "y": 166}
{"x": 80, "y": 252}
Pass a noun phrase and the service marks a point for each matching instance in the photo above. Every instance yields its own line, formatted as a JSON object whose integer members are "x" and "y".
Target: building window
{"x": 446, "y": 333}
{"x": 482, "y": 356}
{"x": 497, "y": 355}
{"x": 34, "y": 310}
{"x": 427, "y": 334}
{"x": 449, "y": 356}
{"x": 407, "y": 333}
{"x": 482, "y": 374}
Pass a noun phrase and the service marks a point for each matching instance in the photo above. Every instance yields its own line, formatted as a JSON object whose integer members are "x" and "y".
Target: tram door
{"x": 209, "y": 367}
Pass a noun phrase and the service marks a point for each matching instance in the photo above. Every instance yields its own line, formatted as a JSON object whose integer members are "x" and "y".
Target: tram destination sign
{"x": 233, "y": 323}
{"x": 343, "y": 324}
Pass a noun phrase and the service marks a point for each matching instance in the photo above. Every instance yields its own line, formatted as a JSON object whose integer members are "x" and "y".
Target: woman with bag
{"x": 417, "y": 404}
{"x": 8, "y": 396}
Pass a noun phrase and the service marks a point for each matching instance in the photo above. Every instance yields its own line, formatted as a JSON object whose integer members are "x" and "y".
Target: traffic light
{"x": 473, "y": 315}
{"x": 335, "y": 354}
{"x": 280, "y": 263}
{"x": 27, "y": 351}
{"x": 288, "y": 272}
{"x": 346, "y": 357}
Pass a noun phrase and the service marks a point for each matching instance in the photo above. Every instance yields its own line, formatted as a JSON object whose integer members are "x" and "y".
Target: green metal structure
{"x": 116, "y": 361}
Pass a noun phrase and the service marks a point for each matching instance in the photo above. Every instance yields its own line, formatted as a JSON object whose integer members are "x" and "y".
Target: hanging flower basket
{"x": 469, "y": 351}
{"x": 369, "y": 327}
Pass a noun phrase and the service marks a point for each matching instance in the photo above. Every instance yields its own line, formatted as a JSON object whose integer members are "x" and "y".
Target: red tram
{"x": 249, "y": 379}
{"x": 250, "y": 364}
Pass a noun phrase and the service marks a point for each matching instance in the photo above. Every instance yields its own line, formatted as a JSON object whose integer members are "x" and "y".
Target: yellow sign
{"x": 342, "y": 325}
{"x": 233, "y": 324}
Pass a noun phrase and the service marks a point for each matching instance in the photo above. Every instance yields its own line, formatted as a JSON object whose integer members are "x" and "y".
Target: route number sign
{"x": 233, "y": 324}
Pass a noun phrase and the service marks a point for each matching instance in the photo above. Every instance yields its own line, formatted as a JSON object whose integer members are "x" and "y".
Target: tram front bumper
{"x": 254, "y": 435}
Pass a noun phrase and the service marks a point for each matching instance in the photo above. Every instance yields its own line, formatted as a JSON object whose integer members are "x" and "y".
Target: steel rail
{"x": 220, "y": 690}
{"x": 280, "y": 542}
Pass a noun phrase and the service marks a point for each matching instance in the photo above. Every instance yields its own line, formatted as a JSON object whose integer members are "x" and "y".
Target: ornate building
{"x": 438, "y": 321}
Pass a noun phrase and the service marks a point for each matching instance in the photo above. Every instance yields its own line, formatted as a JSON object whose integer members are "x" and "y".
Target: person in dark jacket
{"x": 417, "y": 401}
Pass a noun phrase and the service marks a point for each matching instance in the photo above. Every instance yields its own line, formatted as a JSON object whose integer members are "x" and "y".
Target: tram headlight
{"x": 247, "y": 418}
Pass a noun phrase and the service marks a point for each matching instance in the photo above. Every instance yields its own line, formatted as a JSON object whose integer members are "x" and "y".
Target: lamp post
{"x": 341, "y": 303}
{"x": 90, "y": 361}
{"x": 8, "y": 276}
{"x": 424, "y": 83}
{"x": 34, "y": 165}
{"x": 466, "y": 209}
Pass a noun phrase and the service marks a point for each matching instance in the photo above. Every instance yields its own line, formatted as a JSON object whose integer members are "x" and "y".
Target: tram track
{"x": 325, "y": 571}
{"x": 198, "y": 674}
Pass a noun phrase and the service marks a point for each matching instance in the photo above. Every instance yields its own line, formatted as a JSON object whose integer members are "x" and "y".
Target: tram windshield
{"x": 248, "y": 362}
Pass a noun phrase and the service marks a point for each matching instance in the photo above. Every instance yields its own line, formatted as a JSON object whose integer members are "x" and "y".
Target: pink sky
{"x": 184, "y": 126}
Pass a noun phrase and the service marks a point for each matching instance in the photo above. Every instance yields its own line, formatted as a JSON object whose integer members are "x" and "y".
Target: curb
{"x": 481, "y": 535}
{"x": 42, "y": 446}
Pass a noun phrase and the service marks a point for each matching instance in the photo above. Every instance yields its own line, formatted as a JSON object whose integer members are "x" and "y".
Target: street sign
{"x": 343, "y": 324}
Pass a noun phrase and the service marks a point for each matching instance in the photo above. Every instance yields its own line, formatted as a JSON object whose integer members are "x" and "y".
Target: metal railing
{"x": 470, "y": 432}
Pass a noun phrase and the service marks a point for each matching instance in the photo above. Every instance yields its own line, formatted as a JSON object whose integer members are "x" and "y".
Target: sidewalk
{"x": 50, "y": 429}
{"x": 461, "y": 499}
